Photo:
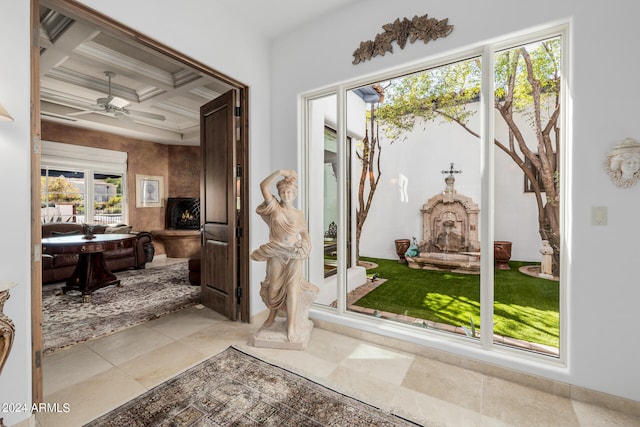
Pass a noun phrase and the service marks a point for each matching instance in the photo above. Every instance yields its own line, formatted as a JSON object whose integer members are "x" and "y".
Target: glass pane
{"x": 416, "y": 190}
{"x": 323, "y": 211}
{"x": 527, "y": 197}
{"x": 330, "y": 219}
{"x": 107, "y": 195}
{"x": 62, "y": 197}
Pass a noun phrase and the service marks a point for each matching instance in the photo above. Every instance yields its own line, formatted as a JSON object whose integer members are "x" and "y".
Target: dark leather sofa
{"x": 59, "y": 267}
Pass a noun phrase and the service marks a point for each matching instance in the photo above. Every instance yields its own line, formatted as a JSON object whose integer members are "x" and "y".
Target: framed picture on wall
{"x": 149, "y": 191}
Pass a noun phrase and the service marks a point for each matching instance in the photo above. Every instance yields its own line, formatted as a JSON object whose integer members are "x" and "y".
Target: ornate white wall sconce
{"x": 623, "y": 163}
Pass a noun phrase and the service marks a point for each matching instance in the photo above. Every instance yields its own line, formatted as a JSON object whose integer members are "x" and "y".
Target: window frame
{"x": 485, "y": 345}
{"x": 91, "y": 161}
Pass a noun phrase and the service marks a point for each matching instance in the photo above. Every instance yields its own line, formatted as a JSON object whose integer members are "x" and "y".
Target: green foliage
{"x": 471, "y": 330}
{"x": 525, "y": 308}
{"x": 445, "y": 92}
{"x": 112, "y": 206}
{"x": 545, "y": 62}
{"x": 117, "y": 182}
{"x": 59, "y": 190}
{"x": 427, "y": 94}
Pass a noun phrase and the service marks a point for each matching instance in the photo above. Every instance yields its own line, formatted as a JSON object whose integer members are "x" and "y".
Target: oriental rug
{"x": 236, "y": 389}
{"x": 143, "y": 295}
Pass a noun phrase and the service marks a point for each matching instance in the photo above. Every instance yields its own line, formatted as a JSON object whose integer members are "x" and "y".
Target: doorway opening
{"x": 134, "y": 120}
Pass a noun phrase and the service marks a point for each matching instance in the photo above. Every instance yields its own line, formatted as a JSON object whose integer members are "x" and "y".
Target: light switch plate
{"x": 599, "y": 215}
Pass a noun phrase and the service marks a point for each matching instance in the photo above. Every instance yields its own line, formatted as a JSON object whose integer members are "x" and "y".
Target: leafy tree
{"x": 59, "y": 189}
{"x": 527, "y": 84}
{"x": 117, "y": 182}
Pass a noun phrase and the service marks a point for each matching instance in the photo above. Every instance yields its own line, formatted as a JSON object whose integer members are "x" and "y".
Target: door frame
{"x": 82, "y": 12}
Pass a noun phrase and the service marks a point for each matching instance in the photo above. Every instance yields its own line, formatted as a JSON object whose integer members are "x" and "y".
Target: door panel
{"x": 219, "y": 256}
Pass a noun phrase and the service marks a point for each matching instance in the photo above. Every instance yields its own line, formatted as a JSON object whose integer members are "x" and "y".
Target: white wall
{"x": 427, "y": 150}
{"x": 15, "y": 166}
{"x": 601, "y": 269}
{"x": 225, "y": 42}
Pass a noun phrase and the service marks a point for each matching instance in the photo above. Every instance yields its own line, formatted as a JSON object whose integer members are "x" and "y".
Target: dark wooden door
{"x": 219, "y": 264}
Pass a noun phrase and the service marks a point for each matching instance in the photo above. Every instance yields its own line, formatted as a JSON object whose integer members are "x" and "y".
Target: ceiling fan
{"x": 115, "y": 106}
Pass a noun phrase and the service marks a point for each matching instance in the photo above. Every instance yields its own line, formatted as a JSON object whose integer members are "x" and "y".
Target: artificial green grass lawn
{"x": 526, "y": 308}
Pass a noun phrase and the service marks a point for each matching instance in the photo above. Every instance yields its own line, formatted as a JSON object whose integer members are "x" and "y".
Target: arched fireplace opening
{"x": 183, "y": 213}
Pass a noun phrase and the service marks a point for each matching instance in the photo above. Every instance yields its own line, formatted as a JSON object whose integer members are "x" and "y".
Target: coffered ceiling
{"x": 151, "y": 96}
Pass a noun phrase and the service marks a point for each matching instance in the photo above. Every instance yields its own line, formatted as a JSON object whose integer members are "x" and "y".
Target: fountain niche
{"x": 449, "y": 232}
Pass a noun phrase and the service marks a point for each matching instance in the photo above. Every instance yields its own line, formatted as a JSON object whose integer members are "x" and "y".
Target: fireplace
{"x": 183, "y": 213}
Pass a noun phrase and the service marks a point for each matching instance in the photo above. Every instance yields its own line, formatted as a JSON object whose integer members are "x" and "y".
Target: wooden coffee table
{"x": 91, "y": 272}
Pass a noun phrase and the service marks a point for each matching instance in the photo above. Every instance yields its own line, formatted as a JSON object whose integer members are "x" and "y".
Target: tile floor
{"x": 95, "y": 377}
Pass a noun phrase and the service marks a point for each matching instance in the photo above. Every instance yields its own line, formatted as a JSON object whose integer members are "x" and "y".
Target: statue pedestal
{"x": 275, "y": 336}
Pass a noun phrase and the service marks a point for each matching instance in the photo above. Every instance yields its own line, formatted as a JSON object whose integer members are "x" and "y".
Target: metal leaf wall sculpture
{"x": 419, "y": 28}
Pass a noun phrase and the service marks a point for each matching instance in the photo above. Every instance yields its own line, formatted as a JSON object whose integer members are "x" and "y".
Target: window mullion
{"x": 487, "y": 199}
{"x": 89, "y": 214}
{"x": 343, "y": 215}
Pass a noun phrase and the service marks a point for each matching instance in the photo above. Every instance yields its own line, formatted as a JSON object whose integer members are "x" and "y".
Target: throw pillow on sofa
{"x": 65, "y": 233}
{"x": 118, "y": 229}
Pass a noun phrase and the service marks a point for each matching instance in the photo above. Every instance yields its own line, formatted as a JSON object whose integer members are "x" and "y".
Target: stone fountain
{"x": 449, "y": 232}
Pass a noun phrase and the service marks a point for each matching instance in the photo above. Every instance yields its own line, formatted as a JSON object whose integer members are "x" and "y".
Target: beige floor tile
{"x": 162, "y": 364}
{"x": 379, "y": 362}
{"x": 331, "y": 346}
{"x": 300, "y": 362}
{"x": 596, "y": 416}
{"x": 423, "y": 390}
{"x": 445, "y": 382}
{"x": 361, "y": 386}
{"x": 128, "y": 344}
{"x": 90, "y": 398}
{"x": 67, "y": 367}
{"x": 523, "y": 406}
{"x": 430, "y": 411}
{"x": 216, "y": 338}
{"x": 408, "y": 404}
{"x": 185, "y": 322}
{"x": 492, "y": 422}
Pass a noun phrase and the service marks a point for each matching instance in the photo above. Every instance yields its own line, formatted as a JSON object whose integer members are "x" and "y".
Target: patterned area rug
{"x": 144, "y": 295}
{"x": 236, "y": 389}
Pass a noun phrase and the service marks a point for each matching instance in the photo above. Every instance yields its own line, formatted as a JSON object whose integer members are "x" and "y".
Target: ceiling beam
{"x": 59, "y": 49}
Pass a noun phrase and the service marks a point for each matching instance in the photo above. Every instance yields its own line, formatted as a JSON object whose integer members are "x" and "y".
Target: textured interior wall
{"x": 184, "y": 171}
{"x": 180, "y": 167}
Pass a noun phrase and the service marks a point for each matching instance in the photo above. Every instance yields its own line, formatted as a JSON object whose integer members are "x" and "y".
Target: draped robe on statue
{"x": 283, "y": 253}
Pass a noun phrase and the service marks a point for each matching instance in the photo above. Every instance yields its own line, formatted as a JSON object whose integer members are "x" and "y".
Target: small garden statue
{"x": 284, "y": 289}
{"x": 413, "y": 249}
{"x": 545, "y": 265}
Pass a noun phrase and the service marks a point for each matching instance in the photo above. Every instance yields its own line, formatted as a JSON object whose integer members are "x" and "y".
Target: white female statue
{"x": 546, "y": 269}
{"x": 623, "y": 163}
{"x": 284, "y": 288}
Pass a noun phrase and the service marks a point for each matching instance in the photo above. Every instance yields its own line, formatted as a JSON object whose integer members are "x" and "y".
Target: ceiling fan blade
{"x": 123, "y": 117}
{"x": 80, "y": 113}
{"x": 104, "y": 101}
{"x": 145, "y": 114}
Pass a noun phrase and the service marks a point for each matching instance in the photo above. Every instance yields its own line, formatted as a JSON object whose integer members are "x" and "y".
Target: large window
{"x": 424, "y": 175}
{"x": 82, "y": 185}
